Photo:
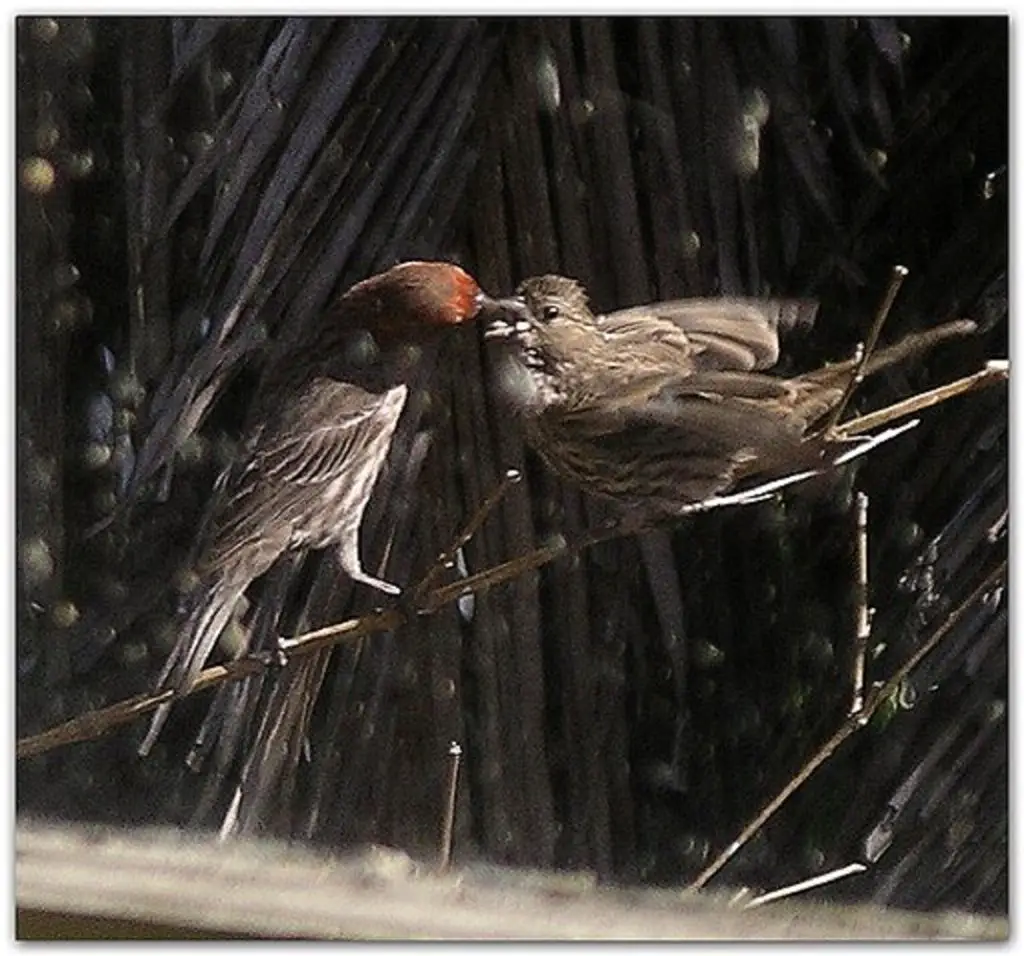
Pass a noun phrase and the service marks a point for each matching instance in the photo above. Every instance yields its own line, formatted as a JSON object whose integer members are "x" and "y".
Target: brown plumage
{"x": 318, "y": 435}
{"x": 664, "y": 406}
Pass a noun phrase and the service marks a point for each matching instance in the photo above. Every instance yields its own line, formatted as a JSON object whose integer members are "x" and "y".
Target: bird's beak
{"x": 501, "y": 316}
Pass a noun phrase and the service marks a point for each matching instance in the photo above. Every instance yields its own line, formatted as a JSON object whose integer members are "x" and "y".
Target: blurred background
{"x": 189, "y": 189}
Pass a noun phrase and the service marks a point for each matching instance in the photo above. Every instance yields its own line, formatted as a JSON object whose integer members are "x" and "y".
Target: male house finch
{"x": 664, "y": 406}
{"x": 317, "y": 438}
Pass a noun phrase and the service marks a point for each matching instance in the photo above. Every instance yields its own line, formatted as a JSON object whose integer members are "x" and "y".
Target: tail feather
{"x": 823, "y": 389}
{"x": 199, "y": 636}
{"x": 907, "y": 347}
{"x": 768, "y": 485}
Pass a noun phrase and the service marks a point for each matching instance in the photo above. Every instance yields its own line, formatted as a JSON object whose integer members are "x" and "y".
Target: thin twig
{"x": 94, "y": 723}
{"x": 899, "y": 273}
{"x": 863, "y": 631}
{"x": 484, "y": 580}
{"x": 448, "y": 822}
{"x": 511, "y": 477}
{"x": 815, "y": 881}
{"x": 850, "y": 726}
{"x": 998, "y": 527}
{"x": 994, "y": 372}
{"x": 346, "y": 630}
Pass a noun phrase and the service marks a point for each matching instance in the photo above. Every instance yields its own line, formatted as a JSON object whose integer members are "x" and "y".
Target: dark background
{"x": 189, "y": 187}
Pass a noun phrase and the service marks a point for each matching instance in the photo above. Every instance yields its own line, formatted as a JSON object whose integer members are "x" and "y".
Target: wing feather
{"x": 324, "y": 434}
{"x": 720, "y": 334}
{"x": 707, "y": 429}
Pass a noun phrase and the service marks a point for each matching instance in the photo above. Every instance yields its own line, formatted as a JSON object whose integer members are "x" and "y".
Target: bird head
{"x": 544, "y": 310}
{"x": 553, "y": 297}
{"x": 540, "y": 302}
{"x": 539, "y": 337}
{"x": 413, "y": 300}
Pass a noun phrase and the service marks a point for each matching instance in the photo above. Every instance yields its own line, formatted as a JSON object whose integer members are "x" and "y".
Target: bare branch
{"x": 863, "y": 630}
{"x": 511, "y": 477}
{"x": 451, "y": 791}
{"x": 992, "y": 374}
{"x": 822, "y": 879}
{"x": 899, "y": 273}
{"x": 850, "y": 726}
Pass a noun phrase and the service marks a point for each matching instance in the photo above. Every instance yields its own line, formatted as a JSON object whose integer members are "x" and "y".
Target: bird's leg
{"x": 379, "y": 584}
{"x": 899, "y": 273}
{"x": 348, "y": 557}
{"x": 274, "y": 659}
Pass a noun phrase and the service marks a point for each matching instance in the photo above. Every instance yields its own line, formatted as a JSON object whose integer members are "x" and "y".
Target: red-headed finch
{"x": 317, "y": 438}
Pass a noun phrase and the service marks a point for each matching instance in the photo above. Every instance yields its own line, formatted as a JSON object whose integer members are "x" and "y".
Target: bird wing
{"x": 739, "y": 334}
{"x": 718, "y": 411}
{"x": 311, "y": 446}
{"x": 707, "y": 429}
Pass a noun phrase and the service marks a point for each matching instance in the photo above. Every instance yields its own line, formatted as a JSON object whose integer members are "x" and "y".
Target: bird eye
{"x": 551, "y": 312}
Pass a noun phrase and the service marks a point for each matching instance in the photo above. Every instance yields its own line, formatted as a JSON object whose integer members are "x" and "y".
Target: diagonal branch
{"x": 96, "y": 722}
{"x": 994, "y": 372}
{"x": 899, "y": 273}
{"x": 849, "y": 726}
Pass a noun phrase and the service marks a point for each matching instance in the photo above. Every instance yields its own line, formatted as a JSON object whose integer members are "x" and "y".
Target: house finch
{"x": 317, "y": 438}
{"x": 662, "y": 407}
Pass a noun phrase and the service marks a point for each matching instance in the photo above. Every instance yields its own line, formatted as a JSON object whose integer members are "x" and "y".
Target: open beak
{"x": 501, "y": 316}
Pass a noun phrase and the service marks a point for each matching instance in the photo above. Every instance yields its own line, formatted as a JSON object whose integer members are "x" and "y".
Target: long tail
{"x": 910, "y": 345}
{"x": 823, "y": 389}
{"x": 198, "y": 638}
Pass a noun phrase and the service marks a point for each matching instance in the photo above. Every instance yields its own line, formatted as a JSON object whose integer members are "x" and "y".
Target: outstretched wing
{"x": 307, "y": 470}
{"x": 739, "y": 334}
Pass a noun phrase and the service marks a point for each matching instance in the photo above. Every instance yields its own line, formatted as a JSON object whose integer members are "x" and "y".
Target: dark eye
{"x": 551, "y": 312}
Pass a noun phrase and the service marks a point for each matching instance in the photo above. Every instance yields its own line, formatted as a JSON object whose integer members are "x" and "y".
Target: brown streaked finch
{"x": 667, "y": 407}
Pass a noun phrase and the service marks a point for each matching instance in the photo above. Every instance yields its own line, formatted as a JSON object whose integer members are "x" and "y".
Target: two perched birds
{"x": 658, "y": 407}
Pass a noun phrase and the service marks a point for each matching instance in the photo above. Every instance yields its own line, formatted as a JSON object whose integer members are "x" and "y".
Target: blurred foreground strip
{"x": 98, "y": 883}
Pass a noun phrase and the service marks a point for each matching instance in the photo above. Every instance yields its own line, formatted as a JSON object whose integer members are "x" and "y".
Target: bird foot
{"x": 276, "y": 659}
{"x": 362, "y": 577}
